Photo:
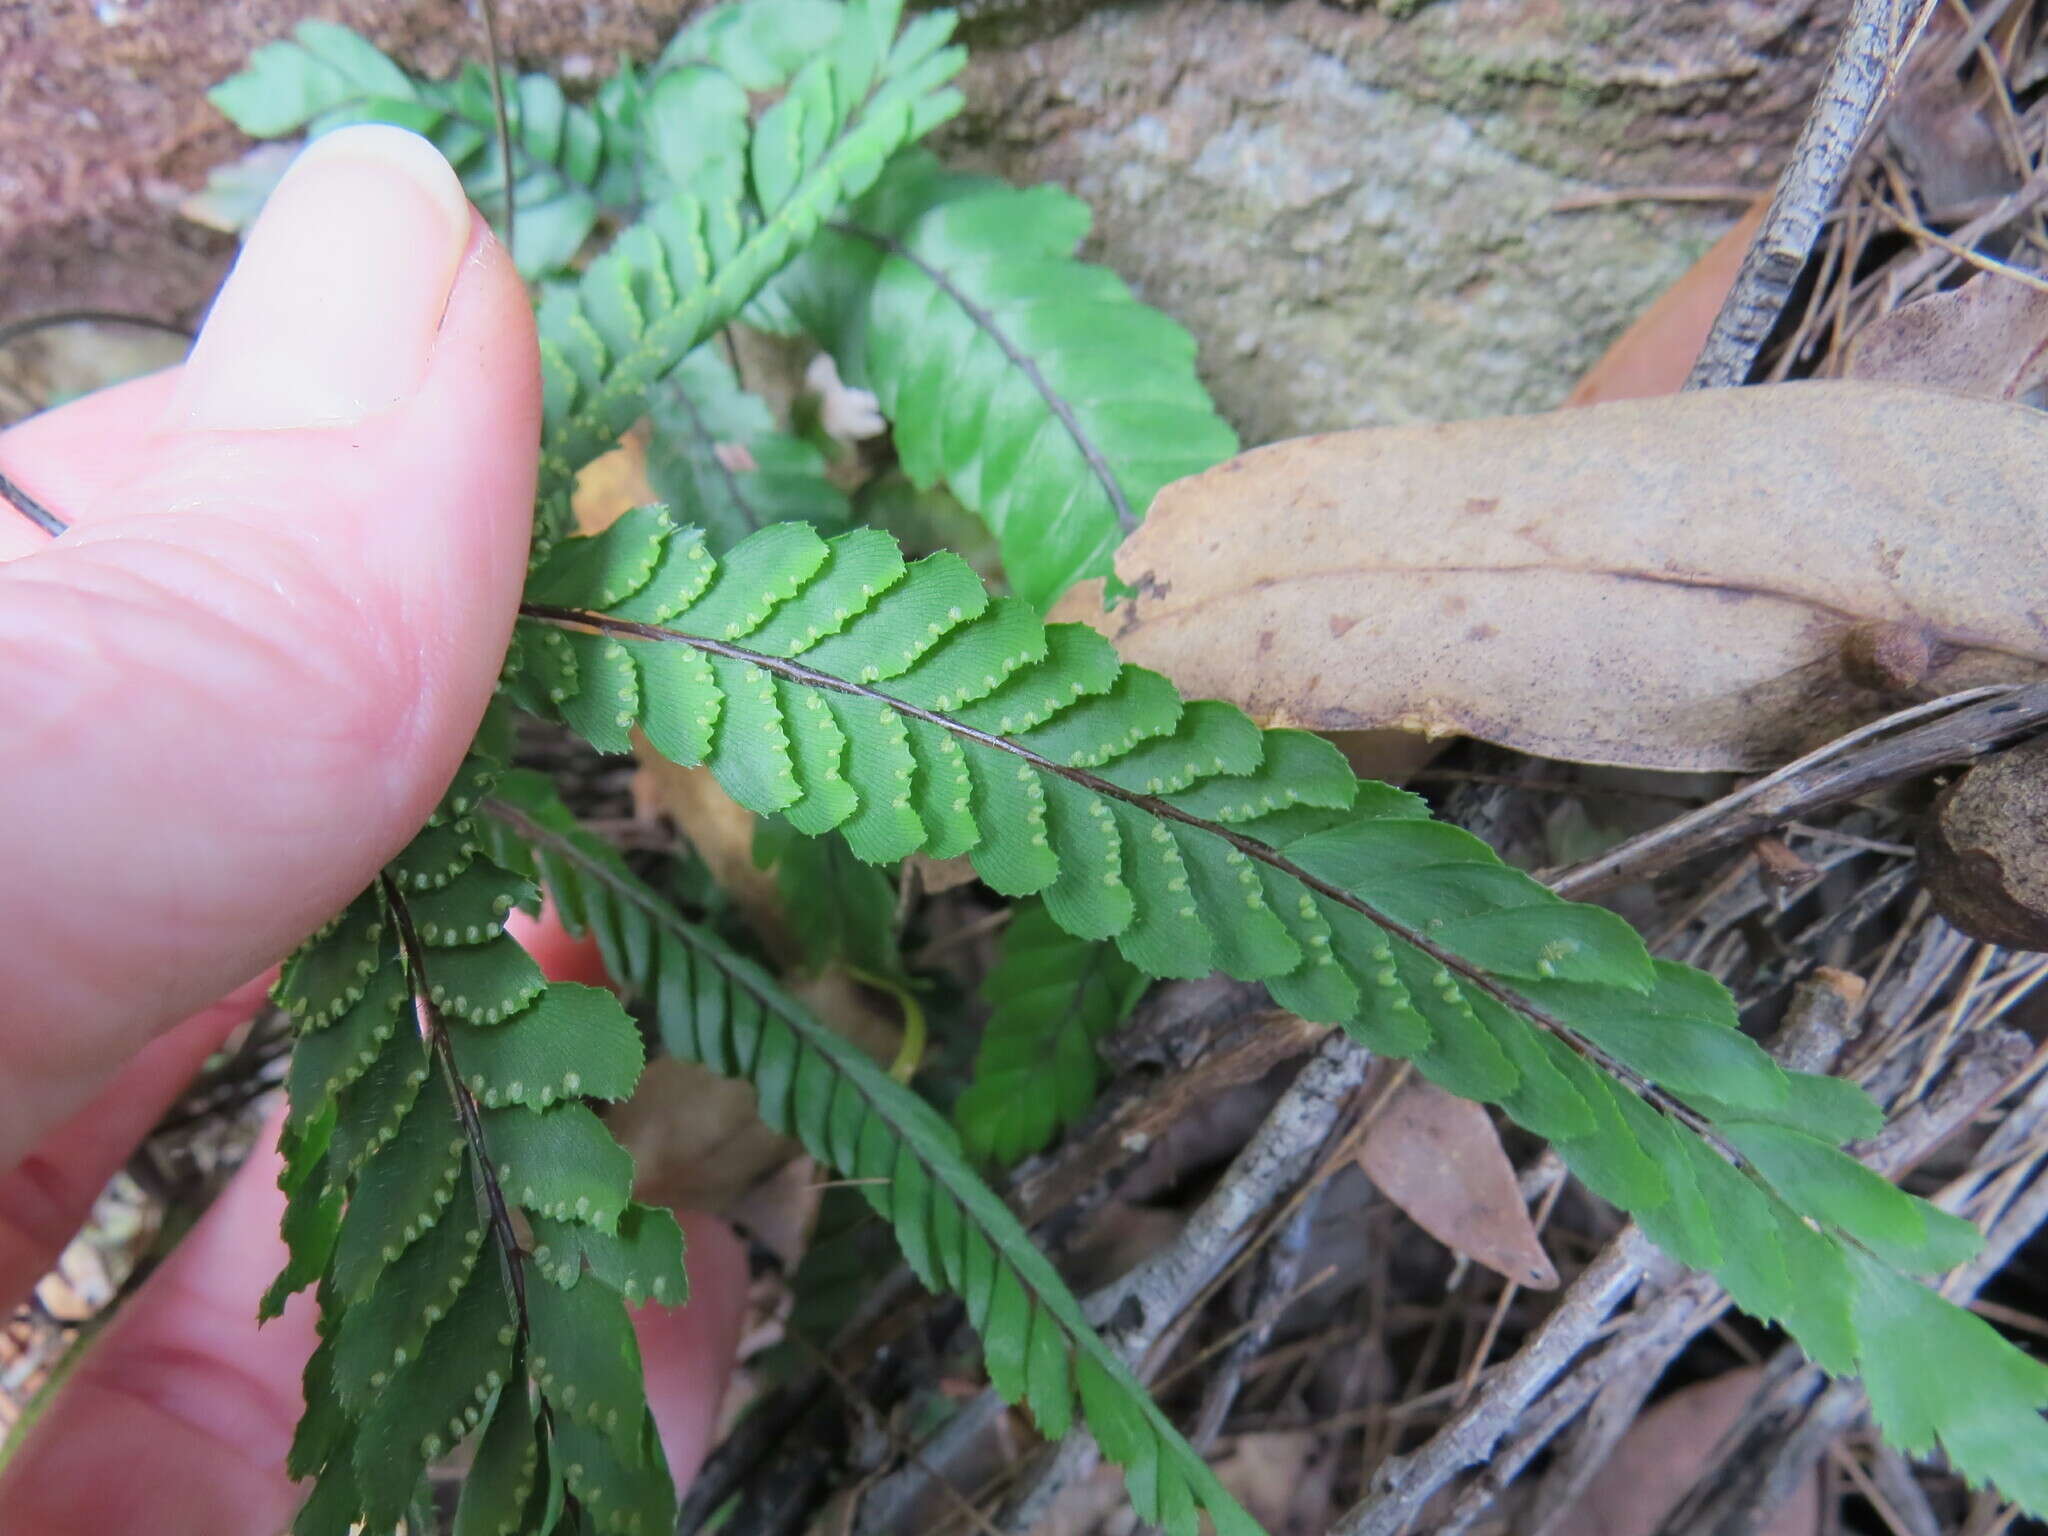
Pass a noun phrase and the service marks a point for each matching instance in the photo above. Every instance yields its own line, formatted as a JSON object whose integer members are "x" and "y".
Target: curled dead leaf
{"x": 1660, "y": 584}
{"x": 1439, "y": 1158}
{"x": 1988, "y": 337}
{"x": 1662, "y": 1456}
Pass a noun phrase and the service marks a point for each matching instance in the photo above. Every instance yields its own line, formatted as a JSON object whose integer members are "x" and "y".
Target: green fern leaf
{"x": 569, "y": 161}
{"x": 561, "y": 1163}
{"x": 701, "y": 253}
{"x": 1053, "y": 998}
{"x": 618, "y": 1493}
{"x": 585, "y": 1358}
{"x": 717, "y": 1008}
{"x": 717, "y": 459}
{"x": 397, "y": 1189}
{"x": 327, "y": 1060}
{"x": 382, "y": 1334}
{"x": 1934, "y": 1371}
{"x": 334, "y": 1505}
{"x": 400, "y": 1192}
{"x": 434, "y": 1401}
{"x": 1048, "y": 399}
{"x": 643, "y": 1260}
{"x": 369, "y": 1110}
{"x": 1496, "y": 988}
{"x": 574, "y": 1041}
{"x": 760, "y": 43}
{"x": 327, "y": 978}
{"x": 501, "y": 1478}
{"x": 287, "y": 85}
{"x": 312, "y": 1214}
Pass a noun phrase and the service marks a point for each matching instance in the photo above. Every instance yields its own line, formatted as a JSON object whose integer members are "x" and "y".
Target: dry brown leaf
{"x": 1697, "y": 582}
{"x": 614, "y": 483}
{"x": 1439, "y": 1158}
{"x": 1653, "y": 356}
{"x": 937, "y": 876}
{"x": 1661, "y": 1457}
{"x": 1283, "y": 1478}
{"x": 1988, "y": 337}
{"x": 696, "y": 1140}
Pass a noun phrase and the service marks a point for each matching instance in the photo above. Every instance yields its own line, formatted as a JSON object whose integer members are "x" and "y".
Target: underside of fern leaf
{"x": 437, "y": 1117}
{"x": 834, "y": 684}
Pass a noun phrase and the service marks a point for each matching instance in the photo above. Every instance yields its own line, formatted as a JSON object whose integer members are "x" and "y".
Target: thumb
{"x": 241, "y": 680}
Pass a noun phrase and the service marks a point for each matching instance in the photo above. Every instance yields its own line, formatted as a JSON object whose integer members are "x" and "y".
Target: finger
{"x": 557, "y": 951}
{"x": 688, "y": 1351}
{"x": 177, "y": 1419}
{"x": 46, "y": 1197}
{"x": 239, "y": 684}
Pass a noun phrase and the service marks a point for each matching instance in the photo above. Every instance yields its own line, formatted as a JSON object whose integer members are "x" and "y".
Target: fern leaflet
{"x": 702, "y": 252}
{"x": 1052, "y": 998}
{"x": 416, "y": 1140}
{"x": 569, "y": 161}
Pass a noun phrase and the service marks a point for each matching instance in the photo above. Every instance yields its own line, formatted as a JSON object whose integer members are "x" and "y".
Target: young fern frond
{"x": 1052, "y": 997}
{"x": 569, "y": 161}
{"x": 714, "y": 1006}
{"x": 417, "y": 1138}
{"x": 1048, "y": 399}
{"x": 700, "y": 253}
{"x": 834, "y": 684}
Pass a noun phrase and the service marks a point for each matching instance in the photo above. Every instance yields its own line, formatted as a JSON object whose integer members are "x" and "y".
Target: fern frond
{"x": 717, "y": 459}
{"x": 701, "y": 253}
{"x": 839, "y": 908}
{"x": 1048, "y": 399}
{"x": 759, "y": 43}
{"x": 715, "y": 1007}
{"x": 570, "y": 161}
{"x": 413, "y": 1137}
{"x": 1053, "y": 997}
{"x": 911, "y": 711}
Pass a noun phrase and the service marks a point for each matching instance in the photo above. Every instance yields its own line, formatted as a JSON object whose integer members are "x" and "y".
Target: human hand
{"x": 228, "y": 695}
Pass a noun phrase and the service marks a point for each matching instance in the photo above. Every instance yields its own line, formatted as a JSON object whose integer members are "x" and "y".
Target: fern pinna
{"x": 462, "y": 1214}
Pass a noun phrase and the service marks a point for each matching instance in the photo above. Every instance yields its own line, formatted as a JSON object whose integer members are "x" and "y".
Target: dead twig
{"x": 1901, "y": 746}
{"x": 1858, "y": 82}
{"x": 1136, "y": 1310}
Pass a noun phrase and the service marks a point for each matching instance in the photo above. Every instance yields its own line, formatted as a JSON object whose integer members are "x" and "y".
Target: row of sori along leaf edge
{"x": 845, "y": 689}
{"x": 466, "y": 1218}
